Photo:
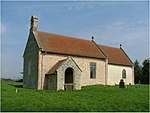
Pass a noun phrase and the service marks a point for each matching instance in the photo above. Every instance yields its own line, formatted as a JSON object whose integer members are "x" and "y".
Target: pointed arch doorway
{"x": 68, "y": 79}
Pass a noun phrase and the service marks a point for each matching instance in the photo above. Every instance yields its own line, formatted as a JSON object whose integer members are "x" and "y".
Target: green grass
{"x": 91, "y": 98}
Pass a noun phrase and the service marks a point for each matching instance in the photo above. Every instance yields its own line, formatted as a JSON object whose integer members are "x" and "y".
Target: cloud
{"x": 132, "y": 34}
{"x": 77, "y": 6}
{"x": 3, "y": 28}
{"x": 106, "y": 31}
{"x": 123, "y": 30}
{"x": 14, "y": 67}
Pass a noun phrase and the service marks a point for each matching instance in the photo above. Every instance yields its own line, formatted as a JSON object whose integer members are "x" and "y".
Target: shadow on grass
{"x": 16, "y": 86}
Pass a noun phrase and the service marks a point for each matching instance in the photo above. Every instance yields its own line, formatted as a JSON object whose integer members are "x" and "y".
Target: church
{"x": 57, "y": 62}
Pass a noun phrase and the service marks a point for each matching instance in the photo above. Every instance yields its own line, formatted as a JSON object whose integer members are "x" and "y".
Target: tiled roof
{"x": 60, "y": 44}
{"x": 116, "y": 56}
{"x": 68, "y": 45}
{"x": 55, "y": 67}
{"x": 58, "y": 65}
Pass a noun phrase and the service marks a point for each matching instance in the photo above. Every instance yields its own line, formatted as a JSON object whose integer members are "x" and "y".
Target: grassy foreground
{"x": 91, "y": 98}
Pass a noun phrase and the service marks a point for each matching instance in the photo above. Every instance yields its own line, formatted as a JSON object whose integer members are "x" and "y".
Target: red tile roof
{"x": 116, "y": 56}
{"x": 55, "y": 67}
{"x": 68, "y": 45}
{"x": 60, "y": 44}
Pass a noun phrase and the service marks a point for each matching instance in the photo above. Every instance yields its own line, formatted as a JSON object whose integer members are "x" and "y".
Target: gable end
{"x": 31, "y": 45}
{"x": 126, "y": 55}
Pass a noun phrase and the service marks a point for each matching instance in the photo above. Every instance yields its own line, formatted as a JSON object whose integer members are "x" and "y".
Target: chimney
{"x": 34, "y": 22}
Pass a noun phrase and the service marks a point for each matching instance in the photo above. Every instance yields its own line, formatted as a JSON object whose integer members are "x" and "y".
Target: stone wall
{"x": 115, "y": 74}
{"x": 49, "y": 60}
{"x": 69, "y": 63}
{"x": 30, "y": 72}
{"x": 50, "y": 82}
{"x": 40, "y": 64}
{"x": 84, "y": 64}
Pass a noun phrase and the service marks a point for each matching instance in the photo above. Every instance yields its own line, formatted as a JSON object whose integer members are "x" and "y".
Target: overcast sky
{"x": 111, "y": 23}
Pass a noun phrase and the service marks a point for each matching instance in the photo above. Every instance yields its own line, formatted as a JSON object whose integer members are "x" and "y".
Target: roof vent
{"x": 34, "y": 22}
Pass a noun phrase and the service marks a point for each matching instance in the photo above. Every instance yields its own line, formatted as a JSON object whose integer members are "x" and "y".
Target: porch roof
{"x": 55, "y": 67}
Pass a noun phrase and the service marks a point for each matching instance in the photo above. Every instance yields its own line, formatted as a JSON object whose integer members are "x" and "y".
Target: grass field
{"x": 91, "y": 98}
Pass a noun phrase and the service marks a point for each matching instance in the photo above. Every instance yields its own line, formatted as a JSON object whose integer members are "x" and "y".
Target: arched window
{"x": 124, "y": 73}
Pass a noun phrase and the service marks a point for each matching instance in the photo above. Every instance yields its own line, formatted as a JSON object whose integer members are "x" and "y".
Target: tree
{"x": 137, "y": 72}
{"x": 145, "y": 71}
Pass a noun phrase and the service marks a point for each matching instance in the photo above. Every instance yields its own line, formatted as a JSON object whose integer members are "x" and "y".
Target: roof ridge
{"x": 108, "y": 46}
{"x": 64, "y": 36}
{"x": 100, "y": 49}
{"x": 116, "y": 55}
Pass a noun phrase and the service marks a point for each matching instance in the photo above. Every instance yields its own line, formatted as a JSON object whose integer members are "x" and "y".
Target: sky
{"x": 111, "y": 23}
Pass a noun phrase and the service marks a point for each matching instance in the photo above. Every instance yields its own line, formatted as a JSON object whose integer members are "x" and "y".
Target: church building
{"x": 57, "y": 62}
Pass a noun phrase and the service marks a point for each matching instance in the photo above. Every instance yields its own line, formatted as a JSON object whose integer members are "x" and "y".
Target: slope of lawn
{"x": 90, "y": 98}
